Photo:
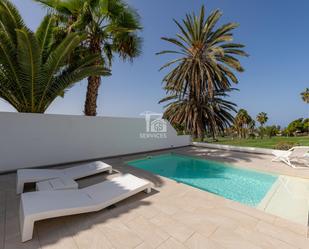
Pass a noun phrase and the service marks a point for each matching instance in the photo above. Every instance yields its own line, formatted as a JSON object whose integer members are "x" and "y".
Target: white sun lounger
{"x": 35, "y": 206}
{"x": 298, "y": 153}
{"x": 37, "y": 175}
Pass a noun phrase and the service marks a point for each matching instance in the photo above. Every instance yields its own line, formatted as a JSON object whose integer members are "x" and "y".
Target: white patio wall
{"x": 34, "y": 140}
{"x": 236, "y": 148}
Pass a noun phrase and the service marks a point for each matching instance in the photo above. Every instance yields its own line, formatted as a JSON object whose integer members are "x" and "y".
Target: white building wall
{"x": 34, "y": 140}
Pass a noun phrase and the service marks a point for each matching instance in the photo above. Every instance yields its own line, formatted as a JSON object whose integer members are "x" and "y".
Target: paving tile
{"x": 54, "y": 235}
{"x": 261, "y": 239}
{"x": 167, "y": 207}
{"x": 148, "y": 232}
{"x": 175, "y": 190}
{"x": 176, "y": 229}
{"x": 218, "y": 220}
{"x": 2, "y": 202}
{"x": 196, "y": 221}
{"x": 2, "y": 241}
{"x": 92, "y": 239}
{"x": 120, "y": 236}
{"x": 196, "y": 198}
{"x": 198, "y": 241}
{"x": 182, "y": 203}
{"x": 11, "y": 205}
{"x": 253, "y": 212}
{"x": 124, "y": 214}
{"x": 147, "y": 212}
{"x": 12, "y": 228}
{"x": 294, "y": 227}
{"x": 12, "y": 237}
{"x": 15, "y": 243}
{"x": 144, "y": 245}
{"x": 282, "y": 234}
{"x": 86, "y": 233}
{"x": 171, "y": 244}
{"x": 240, "y": 218}
{"x": 230, "y": 240}
{"x": 2, "y": 230}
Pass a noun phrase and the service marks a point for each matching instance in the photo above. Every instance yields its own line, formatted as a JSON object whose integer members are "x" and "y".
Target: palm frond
{"x": 44, "y": 34}
{"x": 36, "y": 68}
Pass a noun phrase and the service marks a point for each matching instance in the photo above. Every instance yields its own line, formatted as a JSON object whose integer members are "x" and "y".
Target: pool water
{"x": 245, "y": 186}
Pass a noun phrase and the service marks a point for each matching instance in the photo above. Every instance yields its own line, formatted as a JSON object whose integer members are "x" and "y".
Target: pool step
{"x": 288, "y": 198}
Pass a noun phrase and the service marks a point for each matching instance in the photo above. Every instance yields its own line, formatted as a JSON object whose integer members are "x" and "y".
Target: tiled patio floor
{"x": 173, "y": 216}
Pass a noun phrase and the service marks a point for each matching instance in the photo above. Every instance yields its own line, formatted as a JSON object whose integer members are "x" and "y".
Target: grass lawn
{"x": 262, "y": 143}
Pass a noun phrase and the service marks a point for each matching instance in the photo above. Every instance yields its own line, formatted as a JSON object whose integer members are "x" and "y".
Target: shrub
{"x": 283, "y": 145}
{"x": 271, "y": 130}
{"x": 252, "y": 135}
{"x": 296, "y": 125}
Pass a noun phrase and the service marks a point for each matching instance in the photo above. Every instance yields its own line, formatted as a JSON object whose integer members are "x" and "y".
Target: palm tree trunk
{"x": 193, "y": 134}
{"x": 94, "y": 83}
{"x": 92, "y": 95}
{"x": 213, "y": 135}
{"x": 200, "y": 130}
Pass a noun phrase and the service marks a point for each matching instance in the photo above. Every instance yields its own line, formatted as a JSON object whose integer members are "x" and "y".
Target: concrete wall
{"x": 33, "y": 140}
{"x": 235, "y": 148}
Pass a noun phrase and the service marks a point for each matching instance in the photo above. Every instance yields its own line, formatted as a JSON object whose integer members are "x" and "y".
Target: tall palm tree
{"x": 111, "y": 27}
{"x": 205, "y": 67}
{"x": 34, "y": 70}
{"x": 242, "y": 121}
{"x": 198, "y": 116}
{"x": 207, "y": 56}
{"x": 305, "y": 95}
{"x": 262, "y": 119}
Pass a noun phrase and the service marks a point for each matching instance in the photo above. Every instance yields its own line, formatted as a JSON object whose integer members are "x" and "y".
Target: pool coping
{"x": 246, "y": 149}
{"x": 269, "y": 195}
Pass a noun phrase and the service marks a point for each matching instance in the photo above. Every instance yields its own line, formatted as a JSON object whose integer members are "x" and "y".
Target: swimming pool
{"x": 245, "y": 186}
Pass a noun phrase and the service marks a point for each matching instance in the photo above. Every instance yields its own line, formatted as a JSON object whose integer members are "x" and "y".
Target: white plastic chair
{"x": 297, "y": 153}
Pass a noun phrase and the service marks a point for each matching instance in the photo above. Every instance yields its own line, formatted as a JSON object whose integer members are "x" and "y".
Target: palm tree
{"x": 197, "y": 117}
{"x": 242, "y": 121}
{"x": 111, "y": 27}
{"x": 205, "y": 68}
{"x": 305, "y": 96}
{"x": 34, "y": 70}
{"x": 206, "y": 56}
{"x": 251, "y": 128}
{"x": 262, "y": 119}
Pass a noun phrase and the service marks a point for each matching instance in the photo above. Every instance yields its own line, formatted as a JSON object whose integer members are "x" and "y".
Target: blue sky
{"x": 276, "y": 36}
